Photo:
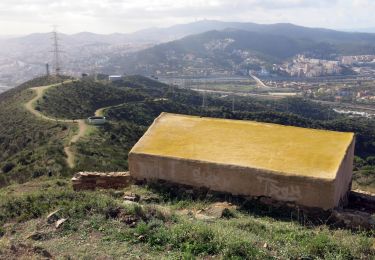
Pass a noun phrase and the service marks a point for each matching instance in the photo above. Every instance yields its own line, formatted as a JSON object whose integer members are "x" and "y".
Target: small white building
{"x": 115, "y": 78}
{"x": 96, "y": 120}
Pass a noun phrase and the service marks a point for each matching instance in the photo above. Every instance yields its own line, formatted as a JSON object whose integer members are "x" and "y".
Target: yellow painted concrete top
{"x": 282, "y": 149}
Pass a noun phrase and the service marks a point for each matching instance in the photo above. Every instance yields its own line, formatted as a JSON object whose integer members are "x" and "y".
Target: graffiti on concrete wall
{"x": 273, "y": 189}
{"x": 209, "y": 180}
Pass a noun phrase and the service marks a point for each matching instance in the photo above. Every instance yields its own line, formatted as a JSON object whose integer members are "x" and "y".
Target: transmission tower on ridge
{"x": 56, "y": 51}
{"x": 233, "y": 103}
{"x": 204, "y": 90}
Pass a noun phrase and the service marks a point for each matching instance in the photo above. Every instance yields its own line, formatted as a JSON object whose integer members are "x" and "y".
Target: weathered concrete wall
{"x": 344, "y": 176}
{"x": 310, "y": 192}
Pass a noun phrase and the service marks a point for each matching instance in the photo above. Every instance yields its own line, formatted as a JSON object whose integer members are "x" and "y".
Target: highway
{"x": 345, "y": 105}
{"x": 258, "y": 81}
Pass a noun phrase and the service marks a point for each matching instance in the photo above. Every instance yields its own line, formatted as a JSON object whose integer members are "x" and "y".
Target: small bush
{"x": 3, "y": 180}
{"x": 142, "y": 228}
{"x": 8, "y": 167}
{"x": 358, "y": 162}
{"x": 227, "y": 213}
{"x": 2, "y": 232}
{"x": 323, "y": 246}
{"x": 38, "y": 173}
{"x": 243, "y": 250}
{"x": 158, "y": 237}
{"x": 73, "y": 205}
{"x": 136, "y": 210}
{"x": 253, "y": 227}
{"x": 61, "y": 183}
{"x": 371, "y": 160}
{"x": 197, "y": 239}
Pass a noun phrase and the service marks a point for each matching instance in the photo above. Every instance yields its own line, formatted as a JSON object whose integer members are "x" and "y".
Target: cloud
{"x": 23, "y": 16}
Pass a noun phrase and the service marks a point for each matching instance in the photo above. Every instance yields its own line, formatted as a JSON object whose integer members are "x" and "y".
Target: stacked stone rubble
{"x": 93, "y": 180}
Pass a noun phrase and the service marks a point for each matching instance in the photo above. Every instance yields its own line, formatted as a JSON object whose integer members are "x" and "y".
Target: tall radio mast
{"x": 56, "y": 51}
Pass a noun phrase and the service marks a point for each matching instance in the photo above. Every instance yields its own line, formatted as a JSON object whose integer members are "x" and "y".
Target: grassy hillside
{"x": 29, "y": 147}
{"x": 39, "y": 81}
{"x": 138, "y": 100}
{"x": 101, "y": 225}
{"x": 164, "y": 224}
{"x": 82, "y": 98}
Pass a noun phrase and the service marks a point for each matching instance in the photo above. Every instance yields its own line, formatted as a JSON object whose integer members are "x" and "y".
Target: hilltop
{"x": 35, "y": 179}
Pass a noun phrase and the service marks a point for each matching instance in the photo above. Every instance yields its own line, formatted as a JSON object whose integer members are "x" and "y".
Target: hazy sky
{"x": 107, "y": 16}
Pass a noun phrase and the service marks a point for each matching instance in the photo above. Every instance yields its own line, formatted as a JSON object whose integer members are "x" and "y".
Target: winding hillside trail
{"x": 100, "y": 111}
{"x": 82, "y": 126}
{"x": 39, "y": 93}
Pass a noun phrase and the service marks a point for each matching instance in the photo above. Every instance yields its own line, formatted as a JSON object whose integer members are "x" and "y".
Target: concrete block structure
{"x": 96, "y": 120}
{"x": 308, "y": 167}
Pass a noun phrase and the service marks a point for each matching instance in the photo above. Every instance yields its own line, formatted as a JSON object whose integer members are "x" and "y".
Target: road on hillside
{"x": 346, "y": 105}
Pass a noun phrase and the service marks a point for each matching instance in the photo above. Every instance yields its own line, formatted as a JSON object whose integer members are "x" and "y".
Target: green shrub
{"x": 158, "y": 237}
{"x": 72, "y": 204}
{"x": 197, "y": 239}
{"x": 323, "y": 246}
{"x": 358, "y": 162}
{"x": 371, "y": 160}
{"x": 227, "y": 213}
{"x": 253, "y": 227}
{"x": 2, "y": 232}
{"x": 8, "y": 167}
{"x": 242, "y": 250}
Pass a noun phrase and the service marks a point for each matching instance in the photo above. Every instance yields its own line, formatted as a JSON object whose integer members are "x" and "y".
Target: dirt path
{"x": 100, "y": 111}
{"x": 30, "y": 106}
{"x": 82, "y": 126}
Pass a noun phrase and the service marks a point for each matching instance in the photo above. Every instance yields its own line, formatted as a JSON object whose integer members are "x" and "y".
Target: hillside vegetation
{"x": 164, "y": 223}
{"x": 134, "y": 103}
{"x": 163, "y": 228}
{"x": 81, "y": 99}
{"x": 225, "y": 48}
{"x": 29, "y": 147}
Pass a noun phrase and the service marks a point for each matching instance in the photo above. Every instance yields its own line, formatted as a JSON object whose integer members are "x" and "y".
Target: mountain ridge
{"x": 87, "y": 52}
{"x": 231, "y": 49}
{"x": 181, "y": 30}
